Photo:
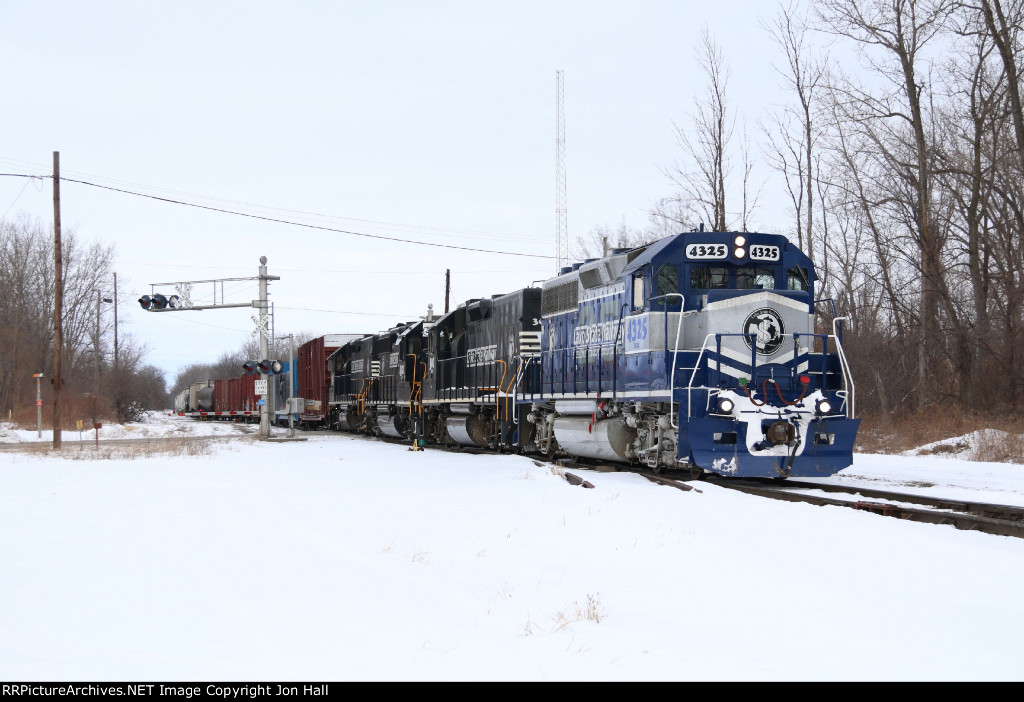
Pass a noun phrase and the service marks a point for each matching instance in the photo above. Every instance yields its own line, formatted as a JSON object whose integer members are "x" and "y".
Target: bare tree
{"x": 793, "y": 133}
{"x": 702, "y": 187}
{"x": 601, "y": 240}
{"x": 892, "y": 36}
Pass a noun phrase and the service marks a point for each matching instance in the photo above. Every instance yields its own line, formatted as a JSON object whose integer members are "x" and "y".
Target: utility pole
{"x": 96, "y": 351}
{"x": 58, "y": 302}
{"x": 96, "y": 376}
{"x": 291, "y": 385}
{"x": 115, "y": 323}
{"x": 447, "y": 287}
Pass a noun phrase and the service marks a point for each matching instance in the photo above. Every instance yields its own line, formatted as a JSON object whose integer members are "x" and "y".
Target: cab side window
{"x": 709, "y": 277}
{"x": 755, "y": 278}
{"x": 638, "y": 291}
{"x": 797, "y": 279}
{"x": 667, "y": 283}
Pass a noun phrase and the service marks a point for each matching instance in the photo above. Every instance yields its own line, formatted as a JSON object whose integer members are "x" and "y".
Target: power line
{"x": 368, "y": 314}
{"x": 277, "y": 220}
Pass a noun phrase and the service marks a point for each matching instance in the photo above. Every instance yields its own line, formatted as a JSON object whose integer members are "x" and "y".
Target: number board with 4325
{"x": 719, "y": 252}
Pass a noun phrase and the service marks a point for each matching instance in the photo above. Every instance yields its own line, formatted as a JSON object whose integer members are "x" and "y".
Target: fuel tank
{"x": 395, "y": 426}
{"x": 468, "y": 430}
{"x": 607, "y": 439}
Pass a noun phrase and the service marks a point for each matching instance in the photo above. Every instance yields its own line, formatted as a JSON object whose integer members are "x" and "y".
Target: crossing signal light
{"x": 157, "y": 302}
{"x": 250, "y": 367}
{"x": 160, "y": 302}
{"x": 270, "y": 367}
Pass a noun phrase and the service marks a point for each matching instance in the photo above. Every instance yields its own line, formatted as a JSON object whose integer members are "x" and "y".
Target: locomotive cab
{"x": 765, "y": 394}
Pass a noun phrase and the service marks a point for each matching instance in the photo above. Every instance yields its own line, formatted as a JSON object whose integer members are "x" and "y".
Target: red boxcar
{"x": 314, "y": 378}
{"x": 235, "y": 398}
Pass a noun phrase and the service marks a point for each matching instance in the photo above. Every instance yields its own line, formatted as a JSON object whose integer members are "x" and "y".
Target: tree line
{"x": 900, "y": 147}
{"x": 123, "y": 385}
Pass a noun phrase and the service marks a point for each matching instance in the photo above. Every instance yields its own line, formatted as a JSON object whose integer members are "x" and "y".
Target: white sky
{"x": 439, "y": 117}
{"x": 343, "y": 559}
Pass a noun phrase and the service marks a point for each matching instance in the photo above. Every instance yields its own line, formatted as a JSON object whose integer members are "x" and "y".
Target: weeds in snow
{"x": 124, "y": 451}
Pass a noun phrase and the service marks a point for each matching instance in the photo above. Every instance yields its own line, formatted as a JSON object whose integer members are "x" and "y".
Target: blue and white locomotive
{"x": 694, "y": 353}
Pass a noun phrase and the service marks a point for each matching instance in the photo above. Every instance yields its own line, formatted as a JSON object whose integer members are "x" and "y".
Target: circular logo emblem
{"x": 766, "y": 325}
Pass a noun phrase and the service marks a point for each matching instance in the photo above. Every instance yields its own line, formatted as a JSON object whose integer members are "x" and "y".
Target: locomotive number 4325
{"x": 764, "y": 253}
{"x": 705, "y": 252}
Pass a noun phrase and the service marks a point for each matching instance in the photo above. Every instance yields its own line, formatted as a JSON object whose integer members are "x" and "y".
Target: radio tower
{"x": 561, "y": 236}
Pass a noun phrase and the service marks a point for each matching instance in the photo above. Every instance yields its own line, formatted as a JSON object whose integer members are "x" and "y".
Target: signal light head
{"x": 270, "y": 367}
{"x": 249, "y": 367}
{"x": 159, "y": 302}
{"x": 146, "y": 301}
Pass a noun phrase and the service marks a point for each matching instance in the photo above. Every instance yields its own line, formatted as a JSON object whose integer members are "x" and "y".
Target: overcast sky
{"x": 430, "y": 121}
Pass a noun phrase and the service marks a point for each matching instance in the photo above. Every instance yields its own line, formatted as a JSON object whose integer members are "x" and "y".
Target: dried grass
{"x": 122, "y": 450}
{"x": 591, "y": 612}
{"x": 1002, "y": 435}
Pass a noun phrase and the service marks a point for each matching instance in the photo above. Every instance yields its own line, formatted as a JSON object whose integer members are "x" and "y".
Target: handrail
{"x": 844, "y": 367}
{"x": 513, "y": 380}
{"x": 675, "y": 350}
{"x": 497, "y": 395}
{"x": 412, "y": 382}
{"x": 615, "y": 357}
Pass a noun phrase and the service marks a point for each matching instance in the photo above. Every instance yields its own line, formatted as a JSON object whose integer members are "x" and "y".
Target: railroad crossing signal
{"x": 263, "y": 367}
{"x": 270, "y": 367}
{"x": 158, "y": 302}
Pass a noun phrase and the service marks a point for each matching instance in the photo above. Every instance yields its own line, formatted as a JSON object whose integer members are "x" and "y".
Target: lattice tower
{"x": 561, "y": 234}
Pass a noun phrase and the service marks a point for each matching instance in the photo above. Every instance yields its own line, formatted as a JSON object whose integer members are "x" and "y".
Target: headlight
{"x": 725, "y": 405}
{"x": 739, "y": 241}
{"x": 824, "y": 407}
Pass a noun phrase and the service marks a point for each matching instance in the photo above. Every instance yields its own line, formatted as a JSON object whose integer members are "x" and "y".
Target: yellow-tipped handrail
{"x": 511, "y": 381}
{"x": 497, "y": 395}
{"x": 413, "y": 386}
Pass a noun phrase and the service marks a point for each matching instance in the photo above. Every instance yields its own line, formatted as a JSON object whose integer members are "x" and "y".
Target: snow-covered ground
{"x": 344, "y": 558}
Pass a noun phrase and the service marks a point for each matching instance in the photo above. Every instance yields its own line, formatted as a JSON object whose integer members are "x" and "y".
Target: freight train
{"x": 697, "y": 353}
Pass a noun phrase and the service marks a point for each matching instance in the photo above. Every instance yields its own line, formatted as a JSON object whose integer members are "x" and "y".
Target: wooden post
{"x": 115, "y": 322}
{"x": 58, "y": 303}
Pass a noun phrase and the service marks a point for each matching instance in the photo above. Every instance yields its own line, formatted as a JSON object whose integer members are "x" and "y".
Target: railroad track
{"x": 1001, "y": 520}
